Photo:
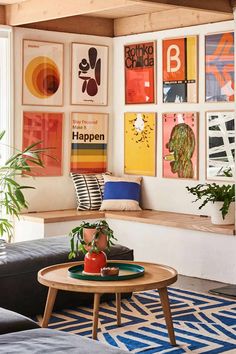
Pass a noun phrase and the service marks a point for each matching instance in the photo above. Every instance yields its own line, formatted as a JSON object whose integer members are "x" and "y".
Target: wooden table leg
{"x": 95, "y": 314}
{"x": 167, "y": 314}
{"x": 52, "y": 293}
{"x": 118, "y": 311}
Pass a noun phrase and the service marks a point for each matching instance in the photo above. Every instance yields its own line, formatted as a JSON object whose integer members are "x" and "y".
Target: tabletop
{"x": 156, "y": 276}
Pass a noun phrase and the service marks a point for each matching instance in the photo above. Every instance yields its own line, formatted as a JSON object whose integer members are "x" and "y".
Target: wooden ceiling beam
{"x": 223, "y": 6}
{"x": 164, "y": 20}
{"x": 31, "y": 11}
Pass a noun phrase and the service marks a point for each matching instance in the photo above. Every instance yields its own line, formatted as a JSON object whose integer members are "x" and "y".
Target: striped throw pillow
{"x": 89, "y": 190}
{"x": 121, "y": 193}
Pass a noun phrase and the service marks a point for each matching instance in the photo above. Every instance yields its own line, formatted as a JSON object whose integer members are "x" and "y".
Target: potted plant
{"x": 12, "y": 199}
{"x": 92, "y": 239}
{"x": 222, "y": 198}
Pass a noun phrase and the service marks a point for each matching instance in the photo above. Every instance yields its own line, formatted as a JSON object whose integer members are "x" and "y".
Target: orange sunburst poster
{"x": 42, "y": 73}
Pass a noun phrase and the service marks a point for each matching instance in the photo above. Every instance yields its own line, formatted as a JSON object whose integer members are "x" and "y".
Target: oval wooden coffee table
{"x": 156, "y": 276}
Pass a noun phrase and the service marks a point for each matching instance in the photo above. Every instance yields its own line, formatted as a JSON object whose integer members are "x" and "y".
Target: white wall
{"x": 157, "y": 192}
{"x": 192, "y": 253}
{"x": 54, "y": 193}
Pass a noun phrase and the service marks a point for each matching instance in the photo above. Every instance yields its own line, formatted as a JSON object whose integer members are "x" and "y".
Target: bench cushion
{"x": 20, "y": 290}
{"x": 52, "y": 341}
{"x": 14, "y": 322}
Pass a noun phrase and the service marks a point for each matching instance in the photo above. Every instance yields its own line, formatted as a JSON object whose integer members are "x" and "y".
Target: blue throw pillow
{"x": 121, "y": 193}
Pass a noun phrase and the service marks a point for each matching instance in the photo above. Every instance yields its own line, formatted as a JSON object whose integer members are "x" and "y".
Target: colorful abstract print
{"x": 220, "y": 67}
{"x": 42, "y": 77}
{"x": 180, "y": 70}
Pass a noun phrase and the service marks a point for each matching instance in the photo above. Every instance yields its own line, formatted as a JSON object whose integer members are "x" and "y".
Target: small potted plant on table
{"x": 222, "y": 199}
{"x": 92, "y": 239}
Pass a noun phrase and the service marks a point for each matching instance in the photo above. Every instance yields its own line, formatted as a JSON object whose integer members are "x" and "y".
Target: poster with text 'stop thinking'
{"x": 180, "y": 70}
{"x": 42, "y": 73}
{"x": 89, "y": 74}
{"x": 180, "y": 145}
{"x": 140, "y": 67}
{"x": 219, "y": 64}
{"x": 89, "y": 137}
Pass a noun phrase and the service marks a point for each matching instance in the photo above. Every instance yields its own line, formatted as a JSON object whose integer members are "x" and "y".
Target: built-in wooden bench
{"x": 177, "y": 220}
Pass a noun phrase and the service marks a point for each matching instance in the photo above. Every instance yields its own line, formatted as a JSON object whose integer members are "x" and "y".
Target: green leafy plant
{"x": 78, "y": 243}
{"x": 214, "y": 193}
{"x": 12, "y": 199}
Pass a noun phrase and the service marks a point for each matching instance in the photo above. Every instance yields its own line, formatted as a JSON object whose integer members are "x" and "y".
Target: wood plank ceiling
{"x": 115, "y": 17}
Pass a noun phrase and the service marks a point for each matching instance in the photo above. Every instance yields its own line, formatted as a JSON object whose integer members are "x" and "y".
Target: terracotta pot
{"x": 101, "y": 243}
{"x": 93, "y": 262}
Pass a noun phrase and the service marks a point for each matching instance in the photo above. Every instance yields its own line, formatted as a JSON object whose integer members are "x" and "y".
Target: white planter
{"x": 216, "y": 215}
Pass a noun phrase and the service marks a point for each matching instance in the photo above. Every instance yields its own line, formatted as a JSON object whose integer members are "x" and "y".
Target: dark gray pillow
{"x": 89, "y": 190}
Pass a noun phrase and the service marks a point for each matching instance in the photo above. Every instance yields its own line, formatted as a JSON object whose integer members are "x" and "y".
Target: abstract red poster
{"x": 47, "y": 128}
{"x": 180, "y": 70}
{"x": 180, "y": 145}
{"x": 140, "y": 63}
{"x": 220, "y": 67}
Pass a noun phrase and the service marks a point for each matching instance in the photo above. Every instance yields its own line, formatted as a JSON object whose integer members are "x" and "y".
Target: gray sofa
{"x": 20, "y": 290}
{"x": 19, "y": 334}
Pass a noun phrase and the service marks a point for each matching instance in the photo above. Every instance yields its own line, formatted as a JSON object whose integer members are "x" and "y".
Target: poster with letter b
{"x": 180, "y": 70}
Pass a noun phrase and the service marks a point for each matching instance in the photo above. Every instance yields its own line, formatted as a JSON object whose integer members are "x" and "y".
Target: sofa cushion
{"x": 52, "y": 341}
{"x": 14, "y": 322}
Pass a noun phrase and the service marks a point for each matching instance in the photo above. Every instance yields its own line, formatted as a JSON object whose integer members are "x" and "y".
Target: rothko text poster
{"x": 220, "y": 67}
{"x": 89, "y": 74}
{"x": 140, "y": 72}
{"x": 180, "y": 70}
{"x": 140, "y": 144}
{"x": 46, "y": 128}
{"x": 89, "y": 136}
{"x": 42, "y": 73}
{"x": 180, "y": 145}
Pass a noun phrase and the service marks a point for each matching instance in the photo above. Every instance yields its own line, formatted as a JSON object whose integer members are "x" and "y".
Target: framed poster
{"x": 140, "y": 144}
{"x": 89, "y": 138}
{"x": 219, "y": 66}
{"x": 47, "y": 128}
{"x": 220, "y": 145}
{"x": 180, "y": 70}
{"x": 180, "y": 145}
{"x": 42, "y": 73}
{"x": 89, "y": 74}
{"x": 140, "y": 70}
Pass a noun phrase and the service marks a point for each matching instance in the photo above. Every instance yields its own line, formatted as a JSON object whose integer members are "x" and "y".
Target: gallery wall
{"x": 169, "y": 194}
{"x": 157, "y": 192}
{"x": 56, "y": 192}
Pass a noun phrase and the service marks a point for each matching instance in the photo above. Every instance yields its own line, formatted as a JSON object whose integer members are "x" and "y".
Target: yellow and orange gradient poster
{"x": 42, "y": 73}
{"x": 140, "y": 144}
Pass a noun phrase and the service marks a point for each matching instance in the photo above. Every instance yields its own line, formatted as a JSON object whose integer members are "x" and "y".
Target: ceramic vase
{"x": 93, "y": 262}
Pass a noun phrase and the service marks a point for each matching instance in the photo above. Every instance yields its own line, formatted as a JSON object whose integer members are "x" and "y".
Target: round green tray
{"x": 127, "y": 271}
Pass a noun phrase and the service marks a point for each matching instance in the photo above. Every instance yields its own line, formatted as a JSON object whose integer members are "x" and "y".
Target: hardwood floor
{"x": 196, "y": 284}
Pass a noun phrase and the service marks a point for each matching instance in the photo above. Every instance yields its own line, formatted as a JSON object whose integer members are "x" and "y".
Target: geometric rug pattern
{"x": 203, "y": 323}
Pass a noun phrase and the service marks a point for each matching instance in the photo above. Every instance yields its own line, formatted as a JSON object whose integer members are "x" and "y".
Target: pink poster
{"x": 180, "y": 145}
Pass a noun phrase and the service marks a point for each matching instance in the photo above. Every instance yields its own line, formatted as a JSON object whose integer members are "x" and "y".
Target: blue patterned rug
{"x": 203, "y": 323}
